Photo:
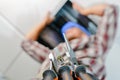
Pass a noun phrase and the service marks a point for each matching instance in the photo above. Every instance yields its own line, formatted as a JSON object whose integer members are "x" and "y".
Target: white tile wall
{"x": 27, "y": 13}
{"x": 24, "y": 68}
{"x": 9, "y": 46}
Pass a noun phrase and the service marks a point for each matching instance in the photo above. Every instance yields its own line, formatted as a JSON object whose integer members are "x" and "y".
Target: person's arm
{"x": 100, "y": 43}
{"x": 95, "y": 10}
{"x": 105, "y": 33}
{"x": 36, "y": 50}
{"x": 35, "y": 32}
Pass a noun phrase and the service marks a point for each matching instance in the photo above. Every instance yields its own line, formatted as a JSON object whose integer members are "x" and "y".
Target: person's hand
{"x": 48, "y": 19}
{"x": 77, "y": 7}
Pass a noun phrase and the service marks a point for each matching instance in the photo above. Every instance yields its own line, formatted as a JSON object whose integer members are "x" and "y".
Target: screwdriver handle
{"x": 82, "y": 75}
{"x": 65, "y": 73}
{"x": 78, "y": 71}
{"x": 50, "y": 75}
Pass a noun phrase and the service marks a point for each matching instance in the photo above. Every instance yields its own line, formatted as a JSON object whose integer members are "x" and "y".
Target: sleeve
{"x": 102, "y": 41}
{"x": 106, "y": 31}
{"x": 36, "y": 50}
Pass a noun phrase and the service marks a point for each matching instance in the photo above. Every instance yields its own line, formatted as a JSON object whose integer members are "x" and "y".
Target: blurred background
{"x": 15, "y": 64}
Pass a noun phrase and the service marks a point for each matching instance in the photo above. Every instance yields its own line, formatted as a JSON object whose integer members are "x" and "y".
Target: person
{"x": 90, "y": 50}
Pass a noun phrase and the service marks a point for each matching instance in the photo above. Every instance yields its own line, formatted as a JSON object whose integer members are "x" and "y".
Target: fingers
{"x": 77, "y": 7}
{"x": 80, "y": 9}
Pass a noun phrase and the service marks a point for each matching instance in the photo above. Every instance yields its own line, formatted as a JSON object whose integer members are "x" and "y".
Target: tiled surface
{"x": 9, "y": 46}
{"x": 27, "y": 13}
{"x": 24, "y": 14}
{"x": 24, "y": 68}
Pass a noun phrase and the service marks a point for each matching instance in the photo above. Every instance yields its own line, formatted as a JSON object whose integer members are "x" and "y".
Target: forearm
{"x": 35, "y": 32}
{"x": 95, "y": 9}
{"x": 36, "y": 50}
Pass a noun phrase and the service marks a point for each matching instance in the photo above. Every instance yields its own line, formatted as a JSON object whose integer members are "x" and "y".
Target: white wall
{"x": 25, "y": 14}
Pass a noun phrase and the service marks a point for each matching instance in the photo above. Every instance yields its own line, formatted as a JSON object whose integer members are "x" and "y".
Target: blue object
{"x": 70, "y": 24}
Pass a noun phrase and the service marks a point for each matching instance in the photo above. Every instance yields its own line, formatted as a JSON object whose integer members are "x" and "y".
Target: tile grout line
{"x": 12, "y": 62}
